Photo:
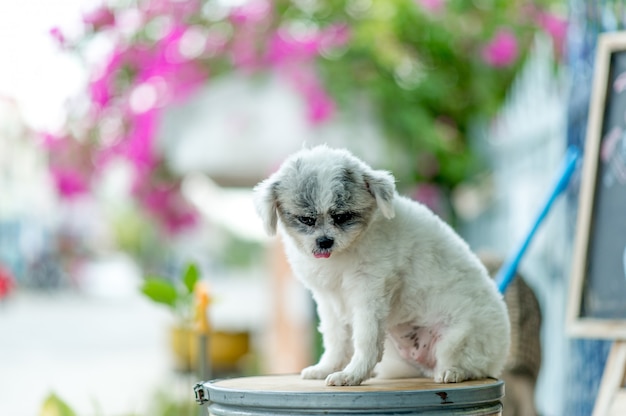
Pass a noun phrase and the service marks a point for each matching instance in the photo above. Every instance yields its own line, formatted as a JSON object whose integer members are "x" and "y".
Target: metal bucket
{"x": 290, "y": 395}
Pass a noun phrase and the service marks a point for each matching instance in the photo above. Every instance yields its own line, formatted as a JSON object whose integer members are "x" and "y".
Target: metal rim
{"x": 371, "y": 400}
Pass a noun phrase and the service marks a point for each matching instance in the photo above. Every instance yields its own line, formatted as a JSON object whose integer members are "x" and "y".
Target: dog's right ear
{"x": 266, "y": 203}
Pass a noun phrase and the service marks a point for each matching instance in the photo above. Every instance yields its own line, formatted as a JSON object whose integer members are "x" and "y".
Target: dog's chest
{"x": 327, "y": 274}
{"x": 323, "y": 278}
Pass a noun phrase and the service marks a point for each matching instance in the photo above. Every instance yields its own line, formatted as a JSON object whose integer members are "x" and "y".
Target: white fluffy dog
{"x": 394, "y": 285}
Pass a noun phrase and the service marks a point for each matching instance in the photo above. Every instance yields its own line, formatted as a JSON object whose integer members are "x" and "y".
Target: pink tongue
{"x": 324, "y": 255}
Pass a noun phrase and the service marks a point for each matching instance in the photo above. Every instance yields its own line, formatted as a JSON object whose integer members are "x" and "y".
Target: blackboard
{"x": 597, "y": 304}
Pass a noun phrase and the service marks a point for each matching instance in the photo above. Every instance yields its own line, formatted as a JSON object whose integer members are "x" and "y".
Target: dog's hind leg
{"x": 460, "y": 356}
{"x": 393, "y": 365}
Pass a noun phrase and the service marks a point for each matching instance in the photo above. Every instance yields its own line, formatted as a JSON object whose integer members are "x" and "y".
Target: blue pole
{"x": 507, "y": 271}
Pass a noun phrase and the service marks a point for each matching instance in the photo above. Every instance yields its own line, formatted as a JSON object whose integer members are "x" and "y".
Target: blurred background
{"x": 132, "y": 133}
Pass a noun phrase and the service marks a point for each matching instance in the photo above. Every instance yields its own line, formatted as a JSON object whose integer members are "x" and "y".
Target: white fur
{"x": 402, "y": 292}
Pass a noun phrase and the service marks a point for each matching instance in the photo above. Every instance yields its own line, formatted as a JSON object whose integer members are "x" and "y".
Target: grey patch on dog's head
{"x": 306, "y": 189}
{"x": 297, "y": 200}
{"x": 326, "y": 193}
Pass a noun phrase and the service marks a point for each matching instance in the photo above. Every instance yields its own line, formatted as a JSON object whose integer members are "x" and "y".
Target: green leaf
{"x": 191, "y": 276}
{"x": 160, "y": 291}
{"x": 54, "y": 406}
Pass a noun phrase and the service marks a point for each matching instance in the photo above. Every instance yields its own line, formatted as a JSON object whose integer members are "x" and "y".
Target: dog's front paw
{"x": 343, "y": 378}
{"x": 315, "y": 372}
{"x": 450, "y": 375}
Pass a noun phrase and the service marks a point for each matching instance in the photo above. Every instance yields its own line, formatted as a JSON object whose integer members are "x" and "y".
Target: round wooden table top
{"x": 294, "y": 383}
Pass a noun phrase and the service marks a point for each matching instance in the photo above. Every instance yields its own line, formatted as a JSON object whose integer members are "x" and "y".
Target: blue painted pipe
{"x": 507, "y": 271}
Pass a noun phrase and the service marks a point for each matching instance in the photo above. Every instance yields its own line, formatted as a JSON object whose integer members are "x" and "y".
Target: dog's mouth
{"x": 321, "y": 254}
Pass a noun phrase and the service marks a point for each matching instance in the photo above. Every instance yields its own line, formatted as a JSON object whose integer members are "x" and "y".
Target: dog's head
{"x": 324, "y": 199}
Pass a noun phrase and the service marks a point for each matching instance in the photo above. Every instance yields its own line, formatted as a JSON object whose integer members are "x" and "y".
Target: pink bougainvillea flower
{"x": 171, "y": 67}
{"x": 69, "y": 182}
{"x": 432, "y": 6}
{"x": 244, "y": 53}
{"x": 321, "y": 106}
{"x": 179, "y": 10}
{"x": 138, "y": 146}
{"x": 163, "y": 75}
{"x": 427, "y": 165}
{"x": 253, "y": 11}
{"x": 294, "y": 56}
{"x": 165, "y": 202}
{"x": 56, "y": 144}
{"x": 501, "y": 51}
{"x": 102, "y": 86}
{"x": 556, "y": 27}
{"x": 69, "y": 169}
{"x": 99, "y": 18}
{"x": 58, "y": 36}
{"x": 167, "y": 49}
{"x": 336, "y": 35}
{"x": 245, "y": 45}
{"x": 284, "y": 47}
{"x": 432, "y": 196}
{"x": 105, "y": 84}
{"x": 287, "y": 47}
{"x": 49, "y": 140}
{"x": 305, "y": 80}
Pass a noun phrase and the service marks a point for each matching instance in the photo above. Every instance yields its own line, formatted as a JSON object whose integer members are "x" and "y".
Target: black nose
{"x": 324, "y": 242}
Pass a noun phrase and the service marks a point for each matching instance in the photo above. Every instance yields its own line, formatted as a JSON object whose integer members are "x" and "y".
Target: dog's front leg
{"x": 336, "y": 340}
{"x": 368, "y": 338}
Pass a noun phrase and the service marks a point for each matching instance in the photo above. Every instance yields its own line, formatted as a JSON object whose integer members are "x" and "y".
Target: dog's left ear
{"x": 381, "y": 184}
{"x": 266, "y": 203}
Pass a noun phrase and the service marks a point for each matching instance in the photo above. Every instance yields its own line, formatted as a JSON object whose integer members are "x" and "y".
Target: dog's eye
{"x": 342, "y": 218}
{"x": 310, "y": 221}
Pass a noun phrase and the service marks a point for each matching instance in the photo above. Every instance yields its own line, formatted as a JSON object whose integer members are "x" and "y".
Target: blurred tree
{"x": 431, "y": 70}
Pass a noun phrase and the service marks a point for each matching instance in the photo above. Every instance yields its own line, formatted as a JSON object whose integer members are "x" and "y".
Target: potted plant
{"x": 188, "y": 297}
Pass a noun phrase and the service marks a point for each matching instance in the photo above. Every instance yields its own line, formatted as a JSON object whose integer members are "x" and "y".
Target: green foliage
{"x": 160, "y": 291}
{"x": 53, "y": 405}
{"x": 163, "y": 403}
{"x": 238, "y": 253}
{"x": 190, "y": 277}
{"x": 424, "y": 72}
{"x": 176, "y": 295}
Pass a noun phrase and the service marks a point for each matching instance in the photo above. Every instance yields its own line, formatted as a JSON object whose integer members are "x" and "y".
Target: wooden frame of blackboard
{"x": 579, "y": 324}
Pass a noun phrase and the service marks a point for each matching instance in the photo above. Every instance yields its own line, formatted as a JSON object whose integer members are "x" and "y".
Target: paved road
{"x": 103, "y": 356}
